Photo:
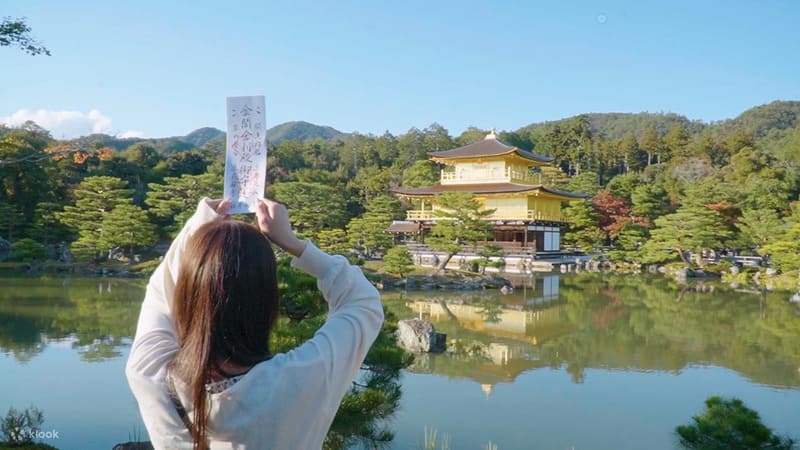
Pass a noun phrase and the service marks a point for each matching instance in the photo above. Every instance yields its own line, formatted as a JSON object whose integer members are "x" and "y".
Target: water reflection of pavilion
{"x": 531, "y": 314}
{"x": 501, "y": 332}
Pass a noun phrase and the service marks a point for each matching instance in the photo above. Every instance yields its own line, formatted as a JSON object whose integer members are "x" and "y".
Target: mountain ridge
{"x": 758, "y": 120}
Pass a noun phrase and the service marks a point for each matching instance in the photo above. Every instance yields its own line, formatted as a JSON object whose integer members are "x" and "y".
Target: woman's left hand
{"x": 220, "y": 206}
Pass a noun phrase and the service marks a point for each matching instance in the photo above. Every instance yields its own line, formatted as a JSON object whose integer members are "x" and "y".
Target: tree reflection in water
{"x": 639, "y": 323}
{"x": 96, "y": 316}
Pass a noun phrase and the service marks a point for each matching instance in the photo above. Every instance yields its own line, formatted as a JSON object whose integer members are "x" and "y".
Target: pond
{"x": 583, "y": 361}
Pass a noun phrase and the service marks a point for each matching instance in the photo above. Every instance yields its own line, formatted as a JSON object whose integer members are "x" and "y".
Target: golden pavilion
{"x": 527, "y": 214}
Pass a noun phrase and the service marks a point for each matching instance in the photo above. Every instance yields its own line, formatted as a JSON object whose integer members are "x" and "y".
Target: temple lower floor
{"x": 537, "y": 236}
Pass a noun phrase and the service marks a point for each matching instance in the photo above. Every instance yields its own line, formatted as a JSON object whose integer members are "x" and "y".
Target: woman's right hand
{"x": 273, "y": 220}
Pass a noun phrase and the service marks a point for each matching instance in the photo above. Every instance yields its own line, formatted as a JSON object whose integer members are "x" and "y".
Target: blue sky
{"x": 158, "y": 68}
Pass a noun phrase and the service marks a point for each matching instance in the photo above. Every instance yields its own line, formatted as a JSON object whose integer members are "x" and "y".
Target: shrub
{"x": 19, "y": 427}
{"x": 25, "y": 250}
{"x": 727, "y": 424}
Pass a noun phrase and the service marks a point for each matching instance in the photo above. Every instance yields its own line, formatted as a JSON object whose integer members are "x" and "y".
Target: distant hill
{"x": 197, "y": 138}
{"x": 617, "y": 125}
{"x": 202, "y": 136}
{"x": 300, "y": 131}
{"x": 759, "y": 120}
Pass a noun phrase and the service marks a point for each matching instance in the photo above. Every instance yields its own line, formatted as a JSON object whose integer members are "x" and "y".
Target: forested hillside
{"x": 655, "y": 181}
{"x": 302, "y": 131}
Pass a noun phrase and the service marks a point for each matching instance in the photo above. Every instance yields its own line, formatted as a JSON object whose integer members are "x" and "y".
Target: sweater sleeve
{"x": 354, "y": 319}
{"x": 155, "y": 343}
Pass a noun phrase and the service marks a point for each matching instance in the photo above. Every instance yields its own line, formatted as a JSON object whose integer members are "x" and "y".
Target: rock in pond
{"x": 417, "y": 335}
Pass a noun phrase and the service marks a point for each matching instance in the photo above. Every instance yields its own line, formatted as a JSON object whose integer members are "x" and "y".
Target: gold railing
{"x": 419, "y": 215}
{"x": 541, "y": 215}
{"x": 531, "y": 215}
{"x": 487, "y": 176}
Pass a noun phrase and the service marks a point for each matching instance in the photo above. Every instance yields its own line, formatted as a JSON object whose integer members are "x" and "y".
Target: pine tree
{"x": 368, "y": 233}
{"x": 126, "y": 226}
{"x": 462, "y": 222}
{"x": 784, "y": 250}
{"x": 693, "y": 227}
{"x": 176, "y": 199}
{"x": 758, "y": 227}
{"x": 398, "y": 261}
{"x": 95, "y": 197}
{"x": 584, "y": 227}
{"x": 727, "y": 424}
{"x": 313, "y": 206}
{"x": 333, "y": 241}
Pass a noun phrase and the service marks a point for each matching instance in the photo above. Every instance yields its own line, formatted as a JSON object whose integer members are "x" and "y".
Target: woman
{"x": 200, "y": 366}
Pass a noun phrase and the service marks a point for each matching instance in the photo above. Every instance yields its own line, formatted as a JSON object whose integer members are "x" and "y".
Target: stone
{"x": 5, "y": 249}
{"x": 417, "y": 335}
{"x": 134, "y": 446}
{"x": 735, "y": 270}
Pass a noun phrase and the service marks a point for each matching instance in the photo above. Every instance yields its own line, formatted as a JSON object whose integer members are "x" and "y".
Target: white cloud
{"x": 63, "y": 124}
{"x": 132, "y": 134}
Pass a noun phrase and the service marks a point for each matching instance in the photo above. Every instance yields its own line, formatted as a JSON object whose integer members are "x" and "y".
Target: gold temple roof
{"x": 483, "y": 188}
{"x": 487, "y": 147}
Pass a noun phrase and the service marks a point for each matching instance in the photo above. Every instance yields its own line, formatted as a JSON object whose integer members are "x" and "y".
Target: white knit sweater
{"x": 287, "y": 402}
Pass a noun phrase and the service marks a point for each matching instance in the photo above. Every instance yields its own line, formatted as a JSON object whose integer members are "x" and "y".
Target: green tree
{"x": 491, "y": 255}
{"x": 18, "y": 33}
{"x": 470, "y": 135}
{"x": 126, "y": 226}
{"x": 370, "y": 182}
{"x": 629, "y": 240}
{"x": 23, "y": 171}
{"x": 95, "y": 198}
{"x": 368, "y": 233}
{"x": 174, "y": 201}
{"x": 652, "y": 144}
{"x": 727, "y": 424}
{"x": 459, "y": 221}
{"x": 398, "y": 261}
{"x": 421, "y": 173}
{"x": 314, "y": 206}
{"x": 436, "y": 138}
{"x": 46, "y": 227}
{"x": 630, "y": 154}
{"x": 649, "y": 200}
{"x": 585, "y": 183}
{"x": 757, "y": 227}
{"x": 693, "y": 227}
{"x": 12, "y": 221}
{"x": 622, "y": 186}
{"x": 784, "y": 250}
{"x": 334, "y": 241}
{"x": 676, "y": 141}
{"x": 386, "y": 207}
{"x": 584, "y": 226}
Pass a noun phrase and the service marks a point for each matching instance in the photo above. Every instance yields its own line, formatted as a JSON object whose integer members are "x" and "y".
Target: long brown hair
{"x": 226, "y": 302}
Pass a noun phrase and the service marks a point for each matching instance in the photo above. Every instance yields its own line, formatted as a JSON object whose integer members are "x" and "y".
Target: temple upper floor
{"x": 489, "y": 161}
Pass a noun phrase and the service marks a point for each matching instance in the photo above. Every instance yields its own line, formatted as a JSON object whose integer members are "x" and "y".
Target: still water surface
{"x": 581, "y": 361}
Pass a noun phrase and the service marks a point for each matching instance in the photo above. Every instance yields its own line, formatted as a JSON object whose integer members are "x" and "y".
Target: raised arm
{"x": 355, "y": 311}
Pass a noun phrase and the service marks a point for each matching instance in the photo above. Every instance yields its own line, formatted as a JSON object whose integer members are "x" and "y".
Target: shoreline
{"x": 451, "y": 279}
